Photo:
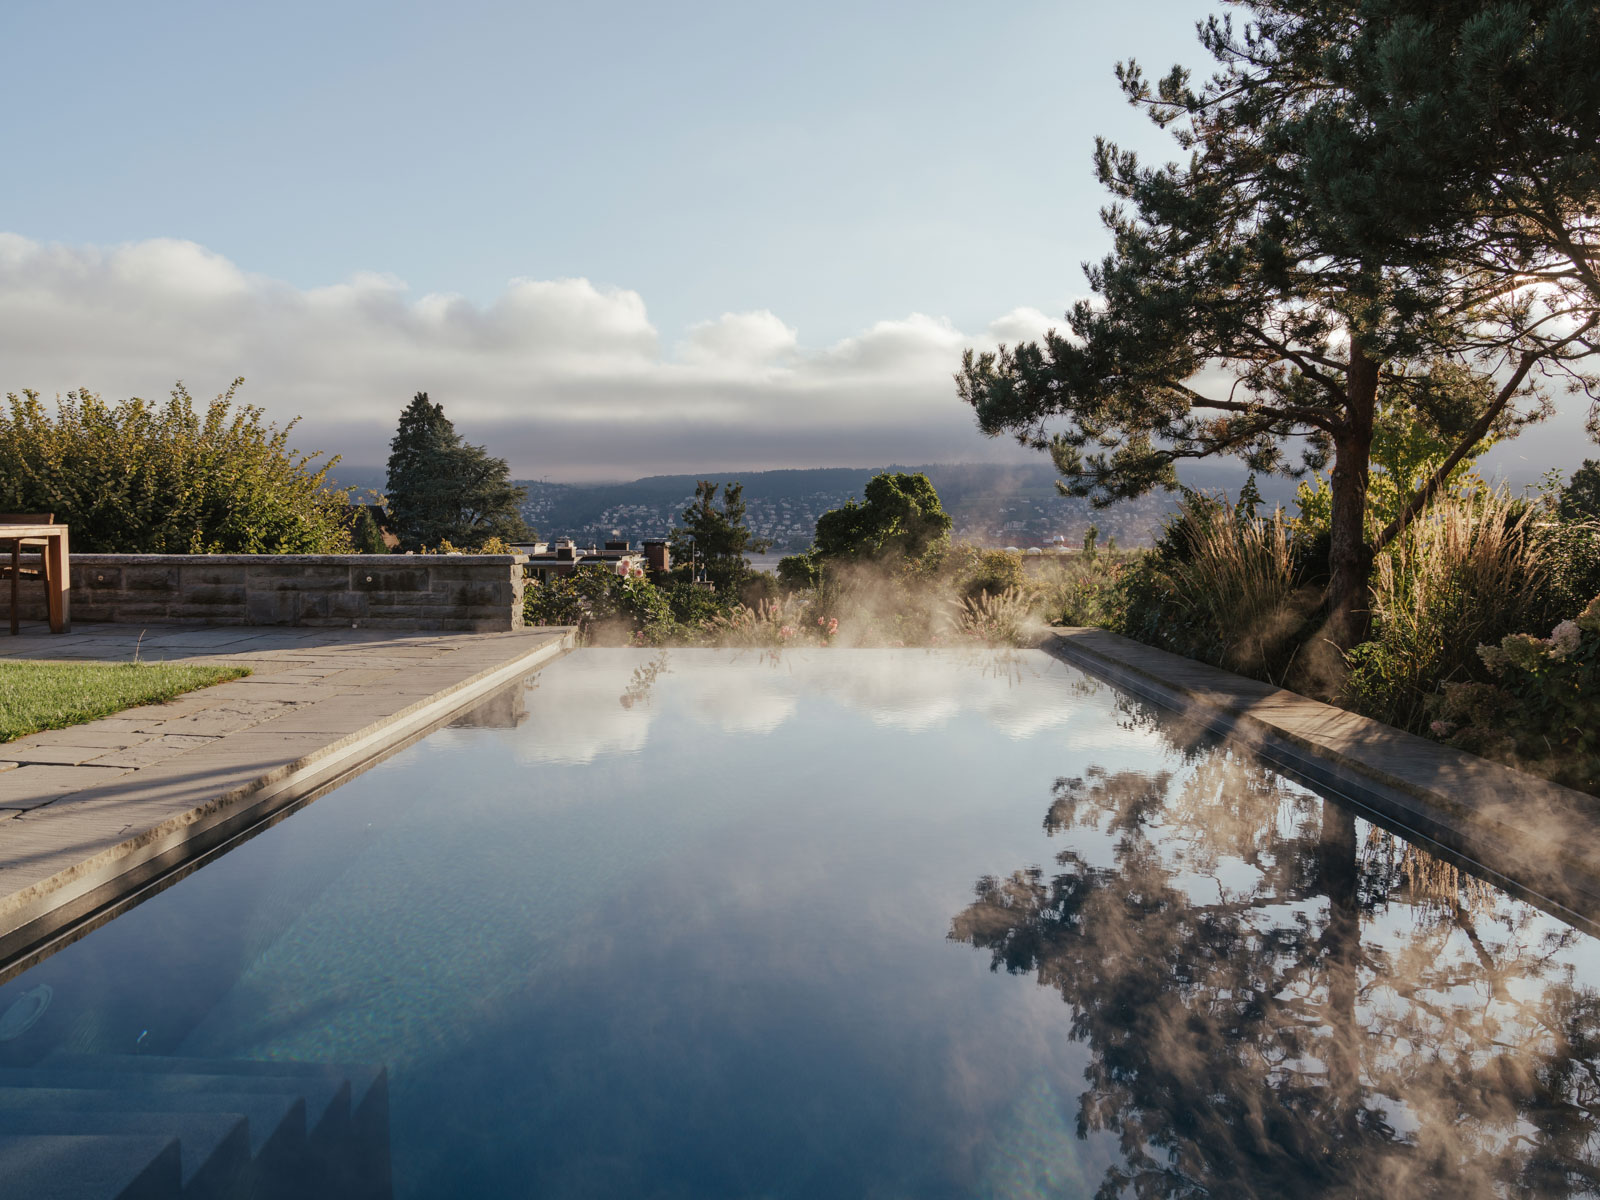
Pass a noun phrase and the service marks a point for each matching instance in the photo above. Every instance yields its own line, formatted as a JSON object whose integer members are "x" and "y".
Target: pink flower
{"x": 786, "y": 632}
{"x": 820, "y": 621}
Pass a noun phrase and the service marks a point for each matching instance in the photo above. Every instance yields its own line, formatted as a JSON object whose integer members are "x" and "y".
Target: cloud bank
{"x": 566, "y": 379}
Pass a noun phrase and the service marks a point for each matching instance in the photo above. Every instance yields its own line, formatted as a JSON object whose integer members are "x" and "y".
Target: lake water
{"x": 861, "y": 924}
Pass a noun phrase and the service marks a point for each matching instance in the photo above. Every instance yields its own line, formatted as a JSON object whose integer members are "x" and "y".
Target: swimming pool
{"x": 888, "y": 923}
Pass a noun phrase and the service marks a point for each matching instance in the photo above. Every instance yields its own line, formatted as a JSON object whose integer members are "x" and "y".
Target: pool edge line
{"x": 1546, "y": 839}
{"x": 43, "y": 911}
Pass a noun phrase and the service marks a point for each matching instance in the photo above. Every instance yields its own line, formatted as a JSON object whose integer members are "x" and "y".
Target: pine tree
{"x": 441, "y": 489}
{"x": 1350, "y": 235}
{"x": 717, "y": 537}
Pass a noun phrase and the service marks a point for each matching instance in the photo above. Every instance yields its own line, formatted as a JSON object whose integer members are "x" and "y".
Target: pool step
{"x": 76, "y": 1166}
{"x": 213, "y": 1148}
{"x": 243, "y": 1129}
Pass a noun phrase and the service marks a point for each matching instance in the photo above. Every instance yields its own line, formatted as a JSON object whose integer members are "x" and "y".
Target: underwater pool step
{"x": 369, "y": 1085}
{"x": 327, "y": 1103}
{"x": 90, "y": 1166}
{"x": 343, "y": 1111}
{"x": 275, "y": 1123}
{"x": 275, "y": 1148}
{"x": 357, "y": 1157}
{"x": 213, "y": 1148}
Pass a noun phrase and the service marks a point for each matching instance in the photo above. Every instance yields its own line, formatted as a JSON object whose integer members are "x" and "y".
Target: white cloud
{"x": 564, "y": 378}
{"x": 917, "y": 344}
{"x": 1024, "y": 325}
{"x": 741, "y": 340}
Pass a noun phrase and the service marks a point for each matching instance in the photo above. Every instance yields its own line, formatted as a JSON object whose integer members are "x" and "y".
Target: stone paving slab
{"x": 89, "y": 813}
{"x": 1534, "y": 835}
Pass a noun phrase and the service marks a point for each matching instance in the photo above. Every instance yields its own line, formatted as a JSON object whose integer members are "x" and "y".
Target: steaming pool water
{"x": 865, "y": 923}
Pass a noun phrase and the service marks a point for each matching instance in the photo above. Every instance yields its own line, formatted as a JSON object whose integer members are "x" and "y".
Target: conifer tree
{"x": 1389, "y": 205}
{"x": 442, "y": 489}
{"x": 717, "y": 536}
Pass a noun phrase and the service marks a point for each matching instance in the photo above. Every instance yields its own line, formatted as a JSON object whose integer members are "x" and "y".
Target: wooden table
{"x": 56, "y": 557}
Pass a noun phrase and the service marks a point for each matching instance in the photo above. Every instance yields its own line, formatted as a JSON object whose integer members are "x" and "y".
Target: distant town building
{"x": 551, "y": 560}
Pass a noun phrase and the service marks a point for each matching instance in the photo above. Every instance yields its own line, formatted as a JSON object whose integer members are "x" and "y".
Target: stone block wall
{"x": 461, "y": 592}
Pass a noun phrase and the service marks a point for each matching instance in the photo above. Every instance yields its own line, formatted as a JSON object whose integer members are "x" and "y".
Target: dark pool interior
{"x": 832, "y": 924}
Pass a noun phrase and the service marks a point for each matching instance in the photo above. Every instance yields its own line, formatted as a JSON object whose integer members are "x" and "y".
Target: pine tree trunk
{"x": 1349, "y": 557}
{"x": 1338, "y": 874}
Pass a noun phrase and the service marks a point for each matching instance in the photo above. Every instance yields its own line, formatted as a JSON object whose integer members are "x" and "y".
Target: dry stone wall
{"x": 479, "y": 593}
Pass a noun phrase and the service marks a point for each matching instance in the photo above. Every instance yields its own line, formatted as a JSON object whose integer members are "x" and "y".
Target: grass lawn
{"x": 53, "y": 695}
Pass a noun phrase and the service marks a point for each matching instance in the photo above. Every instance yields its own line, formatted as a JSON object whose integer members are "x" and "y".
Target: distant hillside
{"x": 994, "y": 504}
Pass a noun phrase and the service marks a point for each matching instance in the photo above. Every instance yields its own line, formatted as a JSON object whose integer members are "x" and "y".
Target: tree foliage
{"x": 365, "y": 536}
{"x": 900, "y": 517}
{"x": 144, "y": 478}
{"x": 1580, "y": 499}
{"x": 442, "y": 489}
{"x": 899, "y": 526}
{"x": 1387, "y": 205}
{"x": 716, "y": 535}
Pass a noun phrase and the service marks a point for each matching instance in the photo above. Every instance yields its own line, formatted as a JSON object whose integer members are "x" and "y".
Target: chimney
{"x": 658, "y": 555}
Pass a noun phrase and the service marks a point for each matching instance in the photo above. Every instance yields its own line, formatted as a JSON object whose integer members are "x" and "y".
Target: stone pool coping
{"x": 1535, "y": 837}
{"x": 93, "y": 815}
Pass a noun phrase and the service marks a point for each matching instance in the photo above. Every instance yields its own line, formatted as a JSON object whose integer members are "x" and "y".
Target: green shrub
{"x": 758, "y": 587}
{"x": 552, "y": 602}
{"x": 1081, "y": 591}
{"x": 974, "y": 571}
{"x": 607, "y": 607}
{"x": 1542, "y": 712}
{"x": 691, "y": 604}
{"x": 797, "y": 572}
{"x": 142, "y": 478}
{"x": 365, "y": 536}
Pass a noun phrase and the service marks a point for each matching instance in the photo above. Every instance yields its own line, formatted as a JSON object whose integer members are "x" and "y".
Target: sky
{"x": 611, "y": 239}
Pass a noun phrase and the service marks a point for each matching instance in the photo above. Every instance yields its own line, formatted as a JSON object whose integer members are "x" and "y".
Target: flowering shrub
{"x": 1542, "y": 713}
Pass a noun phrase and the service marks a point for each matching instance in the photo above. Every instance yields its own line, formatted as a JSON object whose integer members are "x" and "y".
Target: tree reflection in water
{"x": 1276, "y": 1006}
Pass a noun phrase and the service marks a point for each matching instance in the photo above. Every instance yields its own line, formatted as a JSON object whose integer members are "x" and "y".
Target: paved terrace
{"x": 91, "y": 812}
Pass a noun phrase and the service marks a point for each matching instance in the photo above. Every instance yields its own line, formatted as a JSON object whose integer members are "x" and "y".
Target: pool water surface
{"x": 865, "y": 923}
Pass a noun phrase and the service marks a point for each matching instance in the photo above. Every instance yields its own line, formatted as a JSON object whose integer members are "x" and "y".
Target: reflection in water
{"x": 505, "y": 709}
{"x": 643, "y": 683}
{"x": 1277, "y": 1006}
{"x": 611, "y": 706}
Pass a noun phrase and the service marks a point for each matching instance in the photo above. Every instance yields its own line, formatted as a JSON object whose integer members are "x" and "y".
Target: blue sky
{"x": 611, "y": 239}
